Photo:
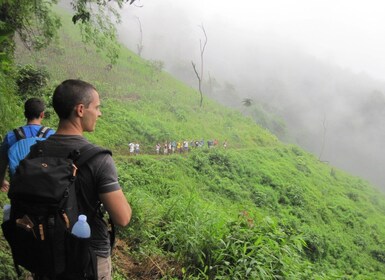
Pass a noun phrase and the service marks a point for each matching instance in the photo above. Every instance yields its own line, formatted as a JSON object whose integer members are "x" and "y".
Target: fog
{"x": 316, "y": 64}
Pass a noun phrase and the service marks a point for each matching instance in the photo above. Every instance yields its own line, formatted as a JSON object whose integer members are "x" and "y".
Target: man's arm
{"x": 3, "y": 161}
{"x": 4, "y": 186}
{"x": 117, "y": 206}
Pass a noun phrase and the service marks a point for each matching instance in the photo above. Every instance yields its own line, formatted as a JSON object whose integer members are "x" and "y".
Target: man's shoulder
{"x": 58, "y": 145}
{"x": 75, "y": 142}
{"x": 30, "y": 130}
{"x": 10, "y": 137}
{"x": 68, "y": 140}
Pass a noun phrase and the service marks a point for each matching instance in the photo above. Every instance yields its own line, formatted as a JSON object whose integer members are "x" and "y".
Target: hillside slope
{"x": 256, "y": 210}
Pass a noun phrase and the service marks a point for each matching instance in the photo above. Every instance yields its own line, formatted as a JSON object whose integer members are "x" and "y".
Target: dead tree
{"x": 200, "y": 75}
{"x": 323, "y": 139}
{"x": 139, "y": 46}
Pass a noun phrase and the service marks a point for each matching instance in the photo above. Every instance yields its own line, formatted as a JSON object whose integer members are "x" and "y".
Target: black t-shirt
{"x": 95, "y": 177}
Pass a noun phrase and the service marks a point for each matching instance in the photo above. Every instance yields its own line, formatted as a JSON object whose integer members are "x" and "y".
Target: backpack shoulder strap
{"x": 43, "y": 131}
{"x": 19, "y": 133}
{"x": 87, "y": 152}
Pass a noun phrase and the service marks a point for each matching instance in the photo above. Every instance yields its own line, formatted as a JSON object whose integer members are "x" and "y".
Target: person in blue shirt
{"x": 34, "y": 113}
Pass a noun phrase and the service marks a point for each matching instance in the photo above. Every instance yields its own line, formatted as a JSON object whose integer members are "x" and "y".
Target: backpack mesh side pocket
{"x": 80, "y": 258}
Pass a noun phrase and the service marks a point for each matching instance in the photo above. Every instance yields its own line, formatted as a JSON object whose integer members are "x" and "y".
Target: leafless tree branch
{"x": 202, "y": 48}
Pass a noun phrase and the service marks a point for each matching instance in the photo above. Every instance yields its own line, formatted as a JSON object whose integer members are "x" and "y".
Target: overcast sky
{"x": 349, "y": 33}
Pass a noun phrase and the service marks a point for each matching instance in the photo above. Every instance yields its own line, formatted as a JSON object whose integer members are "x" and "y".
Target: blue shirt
{"x": 30, "y": 130}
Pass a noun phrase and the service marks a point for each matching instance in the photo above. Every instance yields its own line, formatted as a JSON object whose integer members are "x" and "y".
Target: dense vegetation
{"x": 256, "y": 210}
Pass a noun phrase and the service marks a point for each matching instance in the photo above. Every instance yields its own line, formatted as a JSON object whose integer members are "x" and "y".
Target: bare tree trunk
{"x": 139, "y": 46}
{"x": 323, "y": 139}
{"x": 200, "y": 75}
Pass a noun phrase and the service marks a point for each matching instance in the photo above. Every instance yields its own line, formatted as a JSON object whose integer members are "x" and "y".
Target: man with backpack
{"x": 17, "y": 142}
{"x": 62, "y": 178}
{"x": 77, "y": 105}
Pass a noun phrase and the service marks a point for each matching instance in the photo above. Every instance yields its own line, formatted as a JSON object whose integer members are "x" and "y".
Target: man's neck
{"x": 67, "y": 127}
{"x": 34, "y": 121}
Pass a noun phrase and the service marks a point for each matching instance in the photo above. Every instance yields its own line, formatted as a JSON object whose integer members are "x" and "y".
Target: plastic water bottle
{"x": 81, "y": 228}
{"x": 6, "y": 212}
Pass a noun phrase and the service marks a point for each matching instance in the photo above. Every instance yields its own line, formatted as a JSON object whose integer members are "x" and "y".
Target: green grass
{"x": 257, "y": 210}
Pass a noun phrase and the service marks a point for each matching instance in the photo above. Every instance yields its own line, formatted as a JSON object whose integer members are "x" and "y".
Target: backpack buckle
{"x": 74, "y": 170}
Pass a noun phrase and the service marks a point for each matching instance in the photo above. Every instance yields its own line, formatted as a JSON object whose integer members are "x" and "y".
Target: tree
{"x": 200, "y": 75}
{"x": 33, "y": 21}
{"x": 323, "y": 138}
{"x": 140, "y": 46}
{"x": 37, "y": 25}
{"x": 247, "y": 102}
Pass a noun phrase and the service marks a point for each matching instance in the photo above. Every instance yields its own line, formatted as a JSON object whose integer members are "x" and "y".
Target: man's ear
{"x": 79, "y": 110}
{"x": 41, "y": 116}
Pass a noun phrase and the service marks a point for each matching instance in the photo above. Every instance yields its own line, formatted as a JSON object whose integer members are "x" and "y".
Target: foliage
{"x": 10, "y": 112}
{"x": 36, "y": 24}
{"x": 5, "y": 49}
{"x": 33, "y": 21}
{"x": 247, "y": 102}
{"x": 31, "y": 80}
{"x": 157, "y": 65}
{"x": 97, "y": 24}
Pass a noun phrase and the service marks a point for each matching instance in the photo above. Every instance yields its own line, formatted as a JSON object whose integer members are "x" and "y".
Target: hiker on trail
{"x": 165, "y": 148}
{"x": 185, "y": 146}
{"x": 137, "y": 148}
{"x": 173, "y": 146}
{"x": 34, "y": 113}
{"x": 210, "y": 144}
{"x": 215, "y": 142}
{"x": 131, "y": 146}
{"x": 157, "y": 148}
{"x": 196, "y": 144}
{"x": 77, "y": 105}
{"x": 179, "y": 147}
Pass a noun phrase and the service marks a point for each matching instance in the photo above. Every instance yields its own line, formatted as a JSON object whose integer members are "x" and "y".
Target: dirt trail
{"x": 151, "y": 267}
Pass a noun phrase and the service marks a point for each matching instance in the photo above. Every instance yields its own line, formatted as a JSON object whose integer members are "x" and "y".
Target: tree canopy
{"x": 36, "y": 24}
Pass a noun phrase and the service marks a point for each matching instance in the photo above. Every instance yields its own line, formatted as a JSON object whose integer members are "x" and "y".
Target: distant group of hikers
{"x": 62, "y": 178}
{"x": 171, "y": 147}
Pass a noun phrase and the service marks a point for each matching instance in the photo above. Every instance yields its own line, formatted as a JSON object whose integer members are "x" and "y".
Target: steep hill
{"x": 258, "y": 209}
{"x": 317, "y": 104}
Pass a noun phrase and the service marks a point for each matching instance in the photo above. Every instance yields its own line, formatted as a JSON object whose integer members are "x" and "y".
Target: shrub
{"x": 291, "y": 195}
{"x": 31, "y": 80}
{"x": 254, "y": 250}
{"x": 316, "y": 246}
{"x": 378, "y": 255}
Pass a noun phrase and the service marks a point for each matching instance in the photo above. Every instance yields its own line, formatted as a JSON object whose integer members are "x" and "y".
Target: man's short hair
{"x": 69, "y": 94}
{"x": 33, "y": 107}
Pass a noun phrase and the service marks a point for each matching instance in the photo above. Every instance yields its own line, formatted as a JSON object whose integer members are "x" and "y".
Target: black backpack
{"x": 44, "y": 206}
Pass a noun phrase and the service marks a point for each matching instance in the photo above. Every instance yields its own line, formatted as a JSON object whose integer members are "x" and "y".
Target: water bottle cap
{"x": 82, "y": 218}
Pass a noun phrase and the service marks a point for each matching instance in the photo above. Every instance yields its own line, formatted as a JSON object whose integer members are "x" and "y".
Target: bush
{"x": 255, "y": 250}
{"x": 31, "y": 80}
{"x": 291, "y": 195}
{"x": 378, "y": 255}
{"x": 316, "y": 247}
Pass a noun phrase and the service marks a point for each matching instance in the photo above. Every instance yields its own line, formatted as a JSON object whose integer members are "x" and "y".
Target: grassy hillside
{"x": 256, "y": 210}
